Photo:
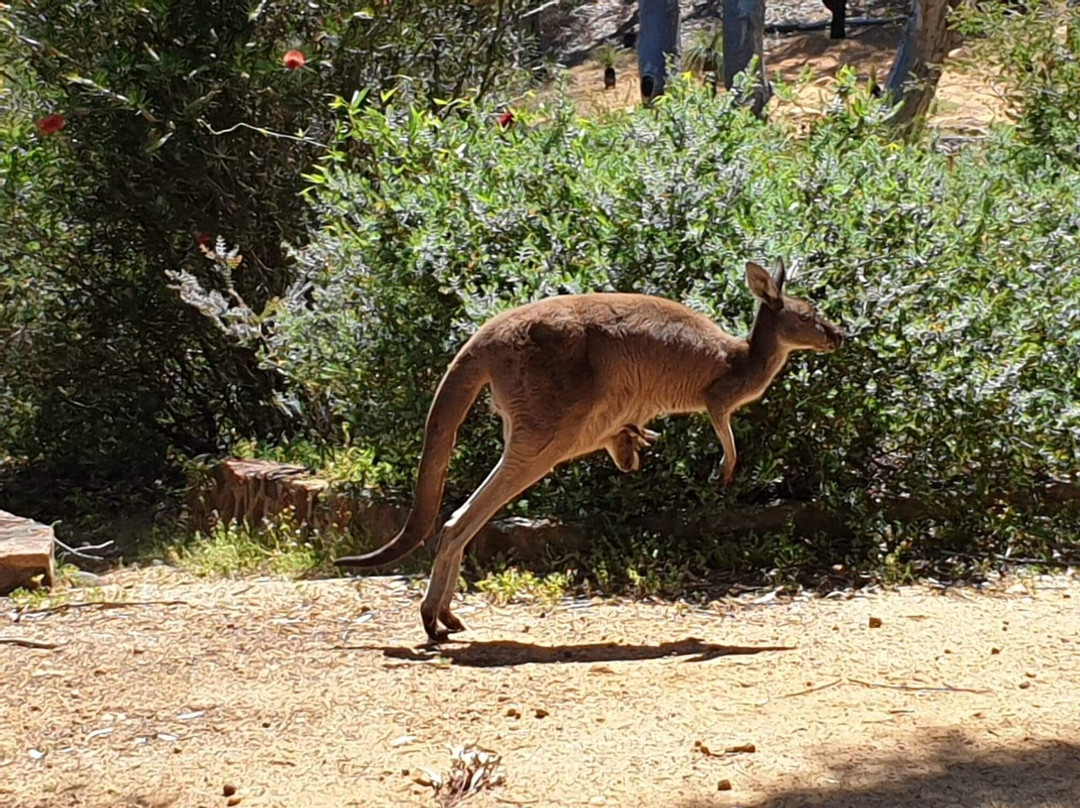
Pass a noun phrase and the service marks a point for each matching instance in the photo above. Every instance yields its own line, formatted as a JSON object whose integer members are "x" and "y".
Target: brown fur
{"x": 575, "y": 374}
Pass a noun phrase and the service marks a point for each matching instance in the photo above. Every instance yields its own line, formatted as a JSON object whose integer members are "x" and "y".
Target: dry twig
{"x": 80, "y": 552}
{"x": 98, "y": 604}
{"x": 916, "y": 688}
{"x": 25, "y": 643}
{"x": 813, "y": 689}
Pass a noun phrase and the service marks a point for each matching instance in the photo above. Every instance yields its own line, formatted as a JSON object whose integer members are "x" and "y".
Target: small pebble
{"x": 723, "y": 785}
{"x": 875, "y": 622}
{"x": 228, "y": 789}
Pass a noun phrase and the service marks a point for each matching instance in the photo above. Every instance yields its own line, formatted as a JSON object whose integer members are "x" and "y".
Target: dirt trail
{"x": 966, "y": 102}
{"x": 299, "y": 694}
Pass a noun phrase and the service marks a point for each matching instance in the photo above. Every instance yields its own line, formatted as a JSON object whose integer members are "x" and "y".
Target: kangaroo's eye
{"x": 805, "y": 316}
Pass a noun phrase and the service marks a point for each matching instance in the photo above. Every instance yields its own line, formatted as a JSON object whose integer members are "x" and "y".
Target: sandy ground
{"x": 321, "y": 693}
{"x": 965, "y": 102}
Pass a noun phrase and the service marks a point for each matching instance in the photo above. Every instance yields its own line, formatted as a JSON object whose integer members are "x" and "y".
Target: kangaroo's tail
{"x": 457, "y": 391}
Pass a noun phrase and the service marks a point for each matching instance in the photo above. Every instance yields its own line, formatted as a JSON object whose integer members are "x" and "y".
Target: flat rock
{"x": 26, "y": 550}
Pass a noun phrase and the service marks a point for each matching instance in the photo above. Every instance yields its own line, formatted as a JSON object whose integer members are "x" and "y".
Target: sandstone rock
{"x": 254, "y": 490}
{"x": 26, "y": 550}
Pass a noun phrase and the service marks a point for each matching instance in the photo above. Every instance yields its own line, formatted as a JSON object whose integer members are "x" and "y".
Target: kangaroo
{"x": 575, "y": 374}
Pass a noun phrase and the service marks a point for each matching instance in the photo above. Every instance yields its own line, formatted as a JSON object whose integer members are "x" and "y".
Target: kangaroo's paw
{"x": 431, "y": 626}
{"x": 437, "y": 636}
{"x": 451, "y": 621}
{"x": 728, "y": 476}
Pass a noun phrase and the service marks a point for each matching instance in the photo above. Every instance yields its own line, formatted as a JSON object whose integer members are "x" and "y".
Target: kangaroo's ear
{"x": 764, "y": 286}
{"x": 780, "y": 275}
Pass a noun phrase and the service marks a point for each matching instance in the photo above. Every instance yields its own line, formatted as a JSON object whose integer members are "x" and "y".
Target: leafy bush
{"x": 958, "y": 279}
{"x": 1038, "y": 52}
{"x": 136, "y": 134}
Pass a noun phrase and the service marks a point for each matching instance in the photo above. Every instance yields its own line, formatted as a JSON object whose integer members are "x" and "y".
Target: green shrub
{"x": 1038, "y": 53}
{"x": 957, "y": 278}
{"x": 183, "y": 122}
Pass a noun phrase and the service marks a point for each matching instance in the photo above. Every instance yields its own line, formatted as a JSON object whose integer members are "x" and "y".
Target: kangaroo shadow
{"x": 507, "y": 653}
{"x": 1043, "y": 775}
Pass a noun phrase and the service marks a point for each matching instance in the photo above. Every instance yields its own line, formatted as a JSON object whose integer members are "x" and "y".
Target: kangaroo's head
{"x": 795, "y": 322}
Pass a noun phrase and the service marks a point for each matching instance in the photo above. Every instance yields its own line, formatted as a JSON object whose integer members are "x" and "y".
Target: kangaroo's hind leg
{"x": 525, "y": 460}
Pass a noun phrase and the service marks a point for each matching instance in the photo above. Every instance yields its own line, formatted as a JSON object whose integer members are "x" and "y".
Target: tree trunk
{"x": 917, "y": 68}
{"x": 658, "y": 37}
{"x": 744, "y": 37}
{"x": 839, "y": 18}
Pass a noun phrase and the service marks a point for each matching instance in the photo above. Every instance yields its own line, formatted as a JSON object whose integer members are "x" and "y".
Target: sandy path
{"x": 298, "y": 694}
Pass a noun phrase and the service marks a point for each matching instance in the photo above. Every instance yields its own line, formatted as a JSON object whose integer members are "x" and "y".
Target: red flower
{"x": 293, "y": 60}
{"x": 51, "y": 124}
{"x": 506, "y": 119}
{"x": 203, "y": 239}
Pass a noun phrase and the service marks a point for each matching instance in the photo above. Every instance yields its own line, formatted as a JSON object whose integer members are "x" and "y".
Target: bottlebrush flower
{"x": 51, "y": 124}
{"x": 293, "y": 60}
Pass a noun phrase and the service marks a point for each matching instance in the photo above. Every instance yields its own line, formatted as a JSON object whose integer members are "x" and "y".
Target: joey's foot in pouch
{"x": 640, "y": 437}
{"x": 625, "y": 446}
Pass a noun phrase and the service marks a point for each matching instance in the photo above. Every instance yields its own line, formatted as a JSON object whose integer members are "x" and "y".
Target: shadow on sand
{"x": 1043, "y": 775}
{"x": 505, "y": 653}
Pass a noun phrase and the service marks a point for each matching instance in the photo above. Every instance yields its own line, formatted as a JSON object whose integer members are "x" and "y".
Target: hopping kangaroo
{"x": 571, "y": 375}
